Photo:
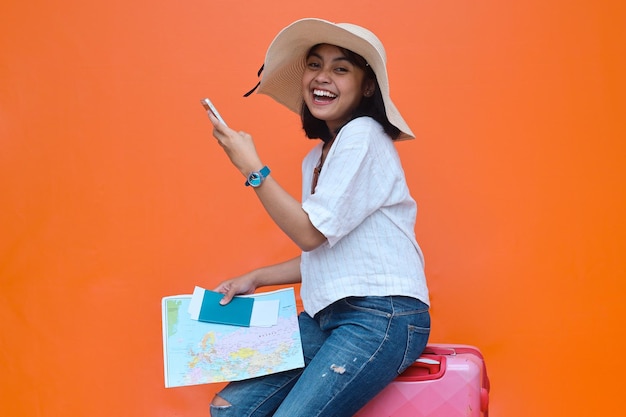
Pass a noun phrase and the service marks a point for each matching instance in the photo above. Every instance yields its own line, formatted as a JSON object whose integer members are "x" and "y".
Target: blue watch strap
{"x": 263, "y": 173}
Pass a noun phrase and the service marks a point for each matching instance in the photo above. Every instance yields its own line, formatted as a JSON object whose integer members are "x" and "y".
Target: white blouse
{"x": 363, "y": 206}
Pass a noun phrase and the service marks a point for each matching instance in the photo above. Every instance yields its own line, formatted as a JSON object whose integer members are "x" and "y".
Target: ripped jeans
{"x": 352, "y": 350}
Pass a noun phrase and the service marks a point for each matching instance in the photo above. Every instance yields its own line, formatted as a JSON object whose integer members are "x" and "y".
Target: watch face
{"x": 254, "y": 179}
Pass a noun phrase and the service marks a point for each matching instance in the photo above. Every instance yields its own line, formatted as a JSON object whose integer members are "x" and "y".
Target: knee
{"x": 219, "y": 402}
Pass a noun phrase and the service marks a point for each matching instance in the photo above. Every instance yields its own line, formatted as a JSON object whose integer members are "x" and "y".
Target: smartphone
{"x": 209, "y": 107}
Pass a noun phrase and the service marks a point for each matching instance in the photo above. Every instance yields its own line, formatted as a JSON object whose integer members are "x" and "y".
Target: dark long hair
{"x": 373, "y": 106}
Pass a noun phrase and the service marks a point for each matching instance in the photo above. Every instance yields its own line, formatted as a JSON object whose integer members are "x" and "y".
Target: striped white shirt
{"x": 363, "y": 206}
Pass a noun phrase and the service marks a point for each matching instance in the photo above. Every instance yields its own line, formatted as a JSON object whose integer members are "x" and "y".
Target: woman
{"x": 363, "y": 288}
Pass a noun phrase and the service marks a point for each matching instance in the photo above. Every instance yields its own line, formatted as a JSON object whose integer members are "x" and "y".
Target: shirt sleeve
{"x": 357, "y": 179}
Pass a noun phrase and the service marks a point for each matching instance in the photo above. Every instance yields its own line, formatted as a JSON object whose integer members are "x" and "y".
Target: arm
{"x": 287, "y": 272}
{"x": 284, "y": 210}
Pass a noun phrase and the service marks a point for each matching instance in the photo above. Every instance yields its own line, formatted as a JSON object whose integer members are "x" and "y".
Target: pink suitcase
{"x": 446, "y": 381}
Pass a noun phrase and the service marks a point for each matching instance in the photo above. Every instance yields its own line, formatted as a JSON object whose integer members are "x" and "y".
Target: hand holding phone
{"x": 209, "y": 107}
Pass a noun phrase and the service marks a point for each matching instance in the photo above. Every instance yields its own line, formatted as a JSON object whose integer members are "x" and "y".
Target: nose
{"x": 323, "y": 75}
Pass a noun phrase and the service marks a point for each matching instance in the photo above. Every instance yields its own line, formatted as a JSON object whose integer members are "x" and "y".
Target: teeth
{"x": 324, "y": 93}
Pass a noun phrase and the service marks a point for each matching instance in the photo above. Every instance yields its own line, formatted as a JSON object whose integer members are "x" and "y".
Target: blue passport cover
{"x": 236, "y": 313}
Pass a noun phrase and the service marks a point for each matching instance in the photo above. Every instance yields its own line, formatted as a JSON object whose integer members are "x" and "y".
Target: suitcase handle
{"x": 451, "y": 350}
{"x": 426, "y": 368}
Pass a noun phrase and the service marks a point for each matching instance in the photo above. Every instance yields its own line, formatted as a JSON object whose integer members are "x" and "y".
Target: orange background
{"x": 114, "y": 194}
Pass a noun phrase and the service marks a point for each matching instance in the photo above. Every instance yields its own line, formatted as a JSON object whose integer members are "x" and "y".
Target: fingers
{"x": 221, "y": 132}
{"x": 214, "y": 120}
{"x": 233, "y": 287}
{"x": 227, "y": 297}
{"x": 228, "y": 291}
{"x": 219, "y": 128}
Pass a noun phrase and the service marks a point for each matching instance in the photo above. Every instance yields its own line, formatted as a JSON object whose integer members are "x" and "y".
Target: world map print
{"x": 200, "y": 353}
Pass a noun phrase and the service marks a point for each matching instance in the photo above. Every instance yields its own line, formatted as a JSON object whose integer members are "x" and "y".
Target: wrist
{"x": 256, "y": 278}
{"x": 256, "y": 178}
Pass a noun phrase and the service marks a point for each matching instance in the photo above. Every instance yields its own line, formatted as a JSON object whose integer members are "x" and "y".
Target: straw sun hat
{"x": 285, "y": 62}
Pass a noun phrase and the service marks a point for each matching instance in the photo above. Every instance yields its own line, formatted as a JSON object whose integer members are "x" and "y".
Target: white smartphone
{"x": 209, "y": 107}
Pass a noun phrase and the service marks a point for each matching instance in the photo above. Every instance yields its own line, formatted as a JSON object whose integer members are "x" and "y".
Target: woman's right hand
{"x": 242, "y": 285}
{"x": 239, "y": 147}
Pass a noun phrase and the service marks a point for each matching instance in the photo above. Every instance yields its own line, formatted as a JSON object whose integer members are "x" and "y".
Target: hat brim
{"x": 285, "y": 62}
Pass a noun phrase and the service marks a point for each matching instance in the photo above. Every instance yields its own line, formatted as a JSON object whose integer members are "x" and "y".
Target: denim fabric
{"x": 352, "y": 350}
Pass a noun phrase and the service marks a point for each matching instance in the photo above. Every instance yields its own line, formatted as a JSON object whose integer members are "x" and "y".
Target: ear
{"x": 369, "y": 86}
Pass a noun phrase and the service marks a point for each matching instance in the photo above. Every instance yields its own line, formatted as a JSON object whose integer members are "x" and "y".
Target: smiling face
{"x": 333, "y": 86}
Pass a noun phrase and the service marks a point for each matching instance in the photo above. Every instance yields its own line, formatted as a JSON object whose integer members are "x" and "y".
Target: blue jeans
{"x": 352, "y": 350}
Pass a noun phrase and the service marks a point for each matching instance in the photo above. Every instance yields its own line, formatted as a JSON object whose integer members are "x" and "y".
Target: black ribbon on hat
{"x": 257, "y": 84}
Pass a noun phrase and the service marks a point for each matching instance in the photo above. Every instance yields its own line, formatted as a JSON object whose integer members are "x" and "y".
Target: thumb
{"x": 228, "y": 296}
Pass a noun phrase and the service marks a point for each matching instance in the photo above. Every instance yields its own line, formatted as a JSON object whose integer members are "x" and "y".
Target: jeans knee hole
{"x": 219, "y": 402}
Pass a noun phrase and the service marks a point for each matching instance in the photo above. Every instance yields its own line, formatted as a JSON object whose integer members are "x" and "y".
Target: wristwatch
{"x": 257, "y": 177}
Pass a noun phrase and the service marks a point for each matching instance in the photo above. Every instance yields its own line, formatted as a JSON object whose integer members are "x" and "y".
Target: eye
{"x": 313, "y": 64}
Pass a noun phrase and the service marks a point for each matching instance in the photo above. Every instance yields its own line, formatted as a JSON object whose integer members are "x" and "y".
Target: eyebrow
{"x": 341, "y": 58}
